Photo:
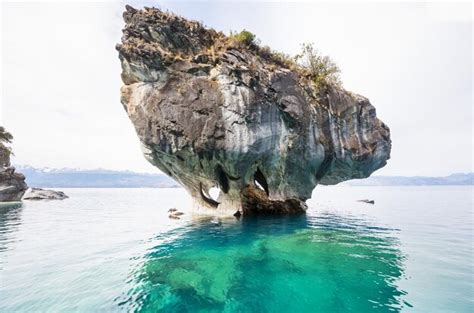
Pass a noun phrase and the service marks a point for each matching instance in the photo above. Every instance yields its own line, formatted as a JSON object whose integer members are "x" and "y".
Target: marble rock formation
{"x": 44, "y": 194}
{"x": 215, "y": 115}
{"x": 12, "y": 184}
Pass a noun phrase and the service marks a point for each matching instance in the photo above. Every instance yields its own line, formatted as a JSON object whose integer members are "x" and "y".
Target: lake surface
{"x": 112, "y": 250}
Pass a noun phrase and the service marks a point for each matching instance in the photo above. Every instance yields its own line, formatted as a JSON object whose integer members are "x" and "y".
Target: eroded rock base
{"x": 252, "y": 202}
{"x": 256, "y": 202}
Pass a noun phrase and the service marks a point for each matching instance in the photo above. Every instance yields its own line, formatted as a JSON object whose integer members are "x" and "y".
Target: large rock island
{"x": 213, "y": 110}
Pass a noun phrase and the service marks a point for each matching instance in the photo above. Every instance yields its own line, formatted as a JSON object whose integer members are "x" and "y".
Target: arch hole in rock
{"x": 214, "y": 193}
{"x": 207, "y": 197}
{"x": 260, "y": 181}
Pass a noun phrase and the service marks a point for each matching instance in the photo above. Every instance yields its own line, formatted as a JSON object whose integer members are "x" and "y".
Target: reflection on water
{"x": 323, "y": 263}
{"x": 10, "y": 219}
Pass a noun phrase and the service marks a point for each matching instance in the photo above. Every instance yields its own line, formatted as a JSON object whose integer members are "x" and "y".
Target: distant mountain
{"x": 453, "y": 179}
{"x": 76, "y": 178}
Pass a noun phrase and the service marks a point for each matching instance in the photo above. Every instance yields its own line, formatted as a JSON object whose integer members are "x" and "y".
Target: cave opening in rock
{"x": 260, "y": 181}
{"x": 222, "y": 179}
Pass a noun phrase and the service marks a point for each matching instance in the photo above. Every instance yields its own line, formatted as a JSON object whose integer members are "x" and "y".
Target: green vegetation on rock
{"x": 245, "y": 37}
{"x": 309, "y": 62}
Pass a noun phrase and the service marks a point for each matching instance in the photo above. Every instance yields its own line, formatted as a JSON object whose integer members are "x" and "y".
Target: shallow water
{"x": 117, "y": 250}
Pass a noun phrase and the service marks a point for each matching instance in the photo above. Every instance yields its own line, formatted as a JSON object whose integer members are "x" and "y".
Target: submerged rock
{"x": 12, "y": 184}
{"x": 44, "y": 194}
{"x": 215, "y": 115}
{"x": 174, "y": 214}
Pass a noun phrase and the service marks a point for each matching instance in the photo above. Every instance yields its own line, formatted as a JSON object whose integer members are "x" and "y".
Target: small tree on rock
{"x": 321, "y": 69}
{"x": 5, "y": 151}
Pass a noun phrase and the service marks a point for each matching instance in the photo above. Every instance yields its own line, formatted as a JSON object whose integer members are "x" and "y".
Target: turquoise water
{"x": 112, "y": 250}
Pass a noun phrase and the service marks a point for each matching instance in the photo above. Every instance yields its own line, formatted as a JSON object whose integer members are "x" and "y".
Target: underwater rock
{"x": 174, "y": 213}
{"x": 213, "y": 114}
{"x": 44, "y": 194}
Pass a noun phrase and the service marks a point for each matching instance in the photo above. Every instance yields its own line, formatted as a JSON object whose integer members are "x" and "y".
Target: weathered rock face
{"x": 12, "y": 185}
{"x": 227, "y": 117}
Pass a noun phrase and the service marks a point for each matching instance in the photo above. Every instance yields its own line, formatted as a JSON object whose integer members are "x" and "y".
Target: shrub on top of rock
{"x": 245, "y": 38}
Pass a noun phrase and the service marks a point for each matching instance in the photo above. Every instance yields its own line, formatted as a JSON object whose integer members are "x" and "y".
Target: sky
{"x": 60, "y": 75}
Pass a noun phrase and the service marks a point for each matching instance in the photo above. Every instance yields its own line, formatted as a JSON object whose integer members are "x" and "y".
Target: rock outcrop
{"x": 12, "y": 184}
{"x": 44, "y": 194}
{"x": 215, "y": 115}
